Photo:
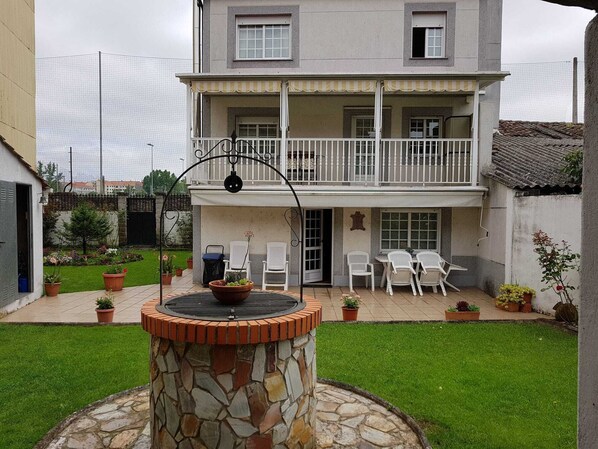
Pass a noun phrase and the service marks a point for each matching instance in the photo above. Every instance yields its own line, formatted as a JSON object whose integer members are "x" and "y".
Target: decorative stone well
{"x": 230, "y": 383}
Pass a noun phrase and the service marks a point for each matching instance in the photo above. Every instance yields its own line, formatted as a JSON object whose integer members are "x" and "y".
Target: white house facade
{"x": 380, "y": 115}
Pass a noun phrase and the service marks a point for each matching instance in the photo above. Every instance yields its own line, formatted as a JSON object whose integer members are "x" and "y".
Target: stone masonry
{"x": 206, "y": 396}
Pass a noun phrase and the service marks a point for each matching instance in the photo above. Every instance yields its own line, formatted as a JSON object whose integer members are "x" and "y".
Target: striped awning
{"x": 236, "y": 87}
{"x": 429, "y": 85}
{"x": 332, "y": 85}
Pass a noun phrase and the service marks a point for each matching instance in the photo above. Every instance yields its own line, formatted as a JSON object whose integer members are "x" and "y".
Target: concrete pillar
{"x": 197, "y": 245}
{"x": 159, "y": 202}
{"x": 587, "y": 435}
{"x": 122, "y": 218}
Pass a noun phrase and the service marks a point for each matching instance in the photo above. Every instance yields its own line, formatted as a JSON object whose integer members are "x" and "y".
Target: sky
{"x": 153, "y": 111}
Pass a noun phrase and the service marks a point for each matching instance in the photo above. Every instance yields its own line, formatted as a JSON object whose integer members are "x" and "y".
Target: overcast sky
{"x": 534, "y": 31}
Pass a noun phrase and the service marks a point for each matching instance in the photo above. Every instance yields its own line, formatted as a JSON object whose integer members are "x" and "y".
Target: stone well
{"x": 229, "y": 383}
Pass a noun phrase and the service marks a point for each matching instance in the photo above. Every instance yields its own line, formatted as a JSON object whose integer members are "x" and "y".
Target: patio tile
{"x": 377, "y": 305}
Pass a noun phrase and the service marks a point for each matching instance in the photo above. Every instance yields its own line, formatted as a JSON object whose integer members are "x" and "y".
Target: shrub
{"x": 86, "y": 225}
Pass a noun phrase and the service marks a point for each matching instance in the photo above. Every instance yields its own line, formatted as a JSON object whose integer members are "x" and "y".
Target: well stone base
{"x": 233, "y": 396}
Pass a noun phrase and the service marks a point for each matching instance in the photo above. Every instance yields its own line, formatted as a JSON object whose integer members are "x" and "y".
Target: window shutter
{"x": 428, "y": 20}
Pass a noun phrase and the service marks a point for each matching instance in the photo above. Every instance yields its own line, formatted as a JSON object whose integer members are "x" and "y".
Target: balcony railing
{"x": 326, "y": 162}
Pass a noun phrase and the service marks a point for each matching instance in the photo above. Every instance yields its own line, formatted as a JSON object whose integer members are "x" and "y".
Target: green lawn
{"x": 142, "y": 272}
{"x": 483, "y": 385}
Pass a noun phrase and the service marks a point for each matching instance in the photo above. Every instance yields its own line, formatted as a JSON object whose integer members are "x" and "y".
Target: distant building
{"x": 121, "y": 186}
{"x": 84, "y": 187}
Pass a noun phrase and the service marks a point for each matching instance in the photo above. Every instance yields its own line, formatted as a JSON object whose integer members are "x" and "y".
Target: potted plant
{"x": 114, "y": 278}
{"x": 53, "y": 279}
{"x": 178, "y": 271}
{"x": 350, "y": 306}
{"x": 463, "y": 311}
{"x": 167, "y": 269}
{"x": 527, "y": 293}
{"x": 231, "y": 290}
{"x": 509, "y": 298}
{"x": 190, "y": 263}
{"x": 105, "y": 308}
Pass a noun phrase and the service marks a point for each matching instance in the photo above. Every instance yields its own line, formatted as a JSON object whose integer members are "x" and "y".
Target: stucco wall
{"x": 345, "y": 49}
{"x": 560, "y": 217}
{"x": 65, "y": 216}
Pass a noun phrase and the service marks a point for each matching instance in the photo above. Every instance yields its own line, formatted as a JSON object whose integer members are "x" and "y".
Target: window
{"x": 428, "y": 35}
{"x": 267, "y": 37}
{"x": 425, "y": 128}
{"x": 419, "y": 230}
{"x": 363, "y": 128}
{"x": 261, "y": 132}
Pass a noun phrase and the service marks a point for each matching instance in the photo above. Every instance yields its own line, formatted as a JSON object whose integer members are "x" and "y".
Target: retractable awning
{"x": 429, "y": 85}
{"x": 236, "y": 86}
{"x": 332, "y": 86}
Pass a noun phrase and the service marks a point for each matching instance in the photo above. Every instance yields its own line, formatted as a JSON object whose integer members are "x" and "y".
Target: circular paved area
{"x": 346, "y": 419}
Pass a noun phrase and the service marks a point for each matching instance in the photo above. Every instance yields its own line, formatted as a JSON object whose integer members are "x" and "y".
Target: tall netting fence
{"x": 143, "y": 102}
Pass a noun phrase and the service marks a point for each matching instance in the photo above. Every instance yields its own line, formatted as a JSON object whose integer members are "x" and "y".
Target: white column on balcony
{"x": 475, "y": 137}
{"x": 284, "y": 126}
{"x": 377, "y": 130}
{"x": 189, "y": 149}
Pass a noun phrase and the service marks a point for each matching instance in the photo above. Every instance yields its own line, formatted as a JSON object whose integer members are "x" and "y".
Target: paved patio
{"x": 377, "y": 306}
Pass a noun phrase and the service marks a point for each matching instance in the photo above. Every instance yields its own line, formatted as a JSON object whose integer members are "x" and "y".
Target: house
{"x": 21, "y": 189}
{"x": 381, "y": 110}
{"x": 528, "y": 192}
{"x": 83, "y": 187}
{"x": 112, "y": 187}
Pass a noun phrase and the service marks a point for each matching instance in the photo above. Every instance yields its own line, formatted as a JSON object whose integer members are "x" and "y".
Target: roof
{"x": 554, "y": 130}
{"x": 16, "y": 154}
{"x": 524, "y": 158}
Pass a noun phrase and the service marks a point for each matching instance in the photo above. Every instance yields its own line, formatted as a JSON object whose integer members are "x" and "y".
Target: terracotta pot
{"x": 166, "y": 279}
{"x": 179, "y": 271}
{"x": 525, "y": 308}
{"x": 349, "y": 314}
{"x": 190, "y": 264}
{"x": 105, "y": 315}
{"x": 114, "y": 282}
{"x": 527, "y": 297}
{"x": 461, "y": 316}
{"x": 511, "y": 307}
{"x": 230, "y": 295}
{"x": 52, "y": 289}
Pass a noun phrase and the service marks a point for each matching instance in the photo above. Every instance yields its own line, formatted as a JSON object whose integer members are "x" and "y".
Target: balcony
{"x": 325, "y": 163}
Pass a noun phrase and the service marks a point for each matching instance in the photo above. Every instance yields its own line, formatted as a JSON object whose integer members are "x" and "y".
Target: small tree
{"x": 50, "y": 174}
{"x": 573, "y": 166}
{"x": 49, "y": 221}
{"x": 556, "y": 260}
{"x": 86, "y": 225}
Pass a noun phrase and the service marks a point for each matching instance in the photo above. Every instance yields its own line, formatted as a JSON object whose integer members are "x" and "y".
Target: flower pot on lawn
{"x": 52, "y": 289}
{"x": 230, "y": 294}
{"x": 190, "y": 263}
{"x": 166, "y": 278}
{"x": 461, "y": 316}
{"x": 114, "y": 282}
{"x": 349, "y": 314}
{"x": 105, "y": 315}
{"x": 179, "y": 271}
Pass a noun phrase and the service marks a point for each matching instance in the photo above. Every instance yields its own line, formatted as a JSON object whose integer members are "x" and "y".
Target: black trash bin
{"x": 213, "y": 264}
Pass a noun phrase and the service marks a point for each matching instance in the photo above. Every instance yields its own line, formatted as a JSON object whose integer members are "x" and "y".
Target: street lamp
{"x": 152, "y": 170}
{"x": 182, "y": 164}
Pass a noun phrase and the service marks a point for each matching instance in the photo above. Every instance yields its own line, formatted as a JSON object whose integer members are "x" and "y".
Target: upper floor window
{"x": 425, "y": 128}
{"x": 263, "y": 37}
{"x": 428, "y": 35}
{"x": 260, "y": 132}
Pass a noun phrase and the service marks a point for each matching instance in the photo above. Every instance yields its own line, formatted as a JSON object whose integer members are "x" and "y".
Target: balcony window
{"x": 263, "y": 38}
{"x": 261, "y": 133}
{"x": 418, "y": 230}
{"x": 428, "y": 38}
{"x": 425, "y": 128}
{"x": 363, "y": 128}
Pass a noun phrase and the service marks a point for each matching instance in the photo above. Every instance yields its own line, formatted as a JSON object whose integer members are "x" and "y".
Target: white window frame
{"x": 363, "y": 168}
{"x": 425, "y": 148}
{"x": 262, "y": 144}
{"x": 264, "y": 22}
{"x": 410, "y": 229}
{"x": 430, "y": 22}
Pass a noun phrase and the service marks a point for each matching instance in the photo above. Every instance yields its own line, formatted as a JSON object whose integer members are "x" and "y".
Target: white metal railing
{"x": 410, "y": 162}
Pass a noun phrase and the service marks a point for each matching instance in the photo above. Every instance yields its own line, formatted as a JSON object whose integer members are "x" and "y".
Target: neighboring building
{"x": 20, "y": 187}
{"x": 529, "y": 192}
{"x": 383, "y": 109}
{"x": 83, "y": 187}
{"x": 122, "y": 186}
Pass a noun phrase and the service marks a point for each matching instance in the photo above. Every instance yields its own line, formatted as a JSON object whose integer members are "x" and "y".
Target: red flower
{"x": 559, "y": 288}
{"x": 124, "y": 270}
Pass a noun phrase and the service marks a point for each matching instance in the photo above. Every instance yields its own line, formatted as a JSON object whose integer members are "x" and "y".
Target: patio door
{"x": 362, "y": 128}
{"x": 312, "y": 259}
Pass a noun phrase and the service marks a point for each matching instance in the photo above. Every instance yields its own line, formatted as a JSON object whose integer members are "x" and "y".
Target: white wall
{"x": 465, "y": 226}
{"x": 65, "y": 216}
{"x": 560, "y": 217}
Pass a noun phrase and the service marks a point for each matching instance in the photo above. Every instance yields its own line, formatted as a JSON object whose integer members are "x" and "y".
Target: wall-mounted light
{"x": 43, "y": 199}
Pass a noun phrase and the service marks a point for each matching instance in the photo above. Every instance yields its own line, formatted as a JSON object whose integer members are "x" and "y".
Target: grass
{"x": 486, "y": 385}
{"x": 483, "y": 385}
{"x": 142, "y": 272}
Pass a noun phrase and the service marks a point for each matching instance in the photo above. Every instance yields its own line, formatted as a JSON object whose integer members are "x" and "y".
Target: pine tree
{"x": 86, "y": 225}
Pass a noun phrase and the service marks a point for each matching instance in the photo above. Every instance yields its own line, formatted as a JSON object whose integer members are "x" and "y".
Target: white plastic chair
{"x": 431, "y": 273}
{"x": 400, "y": 271}
{"x": 359, "y": 265}
{"x": 239, "y": 259}
{"x": 276, "y": 263}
